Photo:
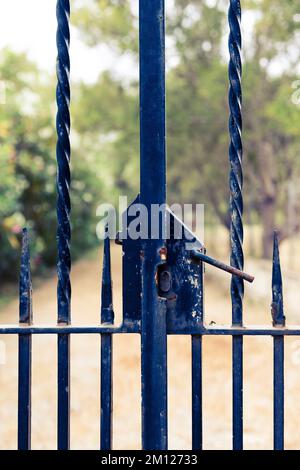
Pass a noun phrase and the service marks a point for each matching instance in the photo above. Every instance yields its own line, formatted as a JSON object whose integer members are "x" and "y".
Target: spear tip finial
{"x": 107, "y": 312}
{"x": 25, "y": 285}
{"x": 277, "y": 291}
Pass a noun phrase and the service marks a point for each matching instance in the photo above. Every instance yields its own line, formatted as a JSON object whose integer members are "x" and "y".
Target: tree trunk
{"x": 268, "y": 190}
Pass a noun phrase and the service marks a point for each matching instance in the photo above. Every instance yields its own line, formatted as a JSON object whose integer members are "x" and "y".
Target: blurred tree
{"x": 28, "y": 163}
{"x": 106, "y": 119}
{"x": 197, "y": 110}
{"x": 271, "y": 118}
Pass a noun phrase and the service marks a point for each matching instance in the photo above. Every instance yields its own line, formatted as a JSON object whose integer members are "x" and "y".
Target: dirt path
{"x": 86, "y": 381}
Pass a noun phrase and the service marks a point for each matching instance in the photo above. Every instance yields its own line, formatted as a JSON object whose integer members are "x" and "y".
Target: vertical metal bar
{"x": 236, "y": 208}
{"x": 278, "y": 393}
{"x": 197, "y": 392}
{"x": 63, "y": 396}
{"x": 153, "y": 191}
{"x": 63, "y": 153}
{"x": 152, "y": 102}
{"x": 106, "y": 392}
{"x": 278, "y": 321}
{"x": 237, "y": 392}
{"x": 107, "y": 316}
{"x": 154, "y": 375}
{"x": 25, "y": 347}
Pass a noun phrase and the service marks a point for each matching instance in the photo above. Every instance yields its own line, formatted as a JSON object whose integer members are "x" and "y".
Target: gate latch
{"x": 199, "y": 256}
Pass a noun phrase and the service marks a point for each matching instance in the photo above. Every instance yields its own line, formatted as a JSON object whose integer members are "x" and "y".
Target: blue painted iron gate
{"x": 160, "y": 296}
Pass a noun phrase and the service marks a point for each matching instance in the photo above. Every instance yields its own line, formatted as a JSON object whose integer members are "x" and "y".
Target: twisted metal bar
{"x": 236, "y": 209}
{"x": 235, "y": 157}
{"x": 63, "y": 153}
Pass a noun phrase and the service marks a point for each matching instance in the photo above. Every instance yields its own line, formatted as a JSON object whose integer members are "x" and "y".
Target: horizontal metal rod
{"x": 238, "y": 331}
{"x": 67, "y": 329}
{"x": 197, "y": 255}
{"x": 135, "y": 329}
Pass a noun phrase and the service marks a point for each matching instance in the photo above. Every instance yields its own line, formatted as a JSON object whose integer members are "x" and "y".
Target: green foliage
{"x": 28, "y": 163}
{"x": 105, "y": 124}
{"x": 197, "y": 109}
{"x": 103, "y": 21}
{"x": 106, "y": 117}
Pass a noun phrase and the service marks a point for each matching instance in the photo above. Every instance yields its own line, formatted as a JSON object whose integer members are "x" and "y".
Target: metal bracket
{"x": 179, "y": 277}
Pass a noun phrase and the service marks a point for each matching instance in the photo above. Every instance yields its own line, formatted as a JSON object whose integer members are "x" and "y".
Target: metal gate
{"x": 162, "y": 280}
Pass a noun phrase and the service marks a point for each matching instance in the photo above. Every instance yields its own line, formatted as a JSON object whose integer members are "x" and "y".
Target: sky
{"x": 30, "y": 25}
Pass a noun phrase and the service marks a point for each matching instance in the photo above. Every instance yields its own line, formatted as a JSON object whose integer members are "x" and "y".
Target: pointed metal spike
{"x": 277, "y": 295}
{"x": 107, "y": 312}
{"x": 25, "y": 285}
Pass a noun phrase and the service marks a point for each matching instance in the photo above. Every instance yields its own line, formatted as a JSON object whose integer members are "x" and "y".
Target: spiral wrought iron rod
{"x": 236, "y": 210}
{"x": 235, "y": 158}
{"x": 63, "y": 153}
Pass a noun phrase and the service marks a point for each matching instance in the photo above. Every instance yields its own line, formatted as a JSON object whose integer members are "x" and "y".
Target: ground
{"x": 86, "y": 276}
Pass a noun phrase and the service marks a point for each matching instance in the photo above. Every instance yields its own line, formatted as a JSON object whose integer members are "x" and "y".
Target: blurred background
{"x": 105, "y": 164}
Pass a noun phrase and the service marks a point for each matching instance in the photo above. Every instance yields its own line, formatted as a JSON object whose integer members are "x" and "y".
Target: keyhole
{"x": 165, "y": 281}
